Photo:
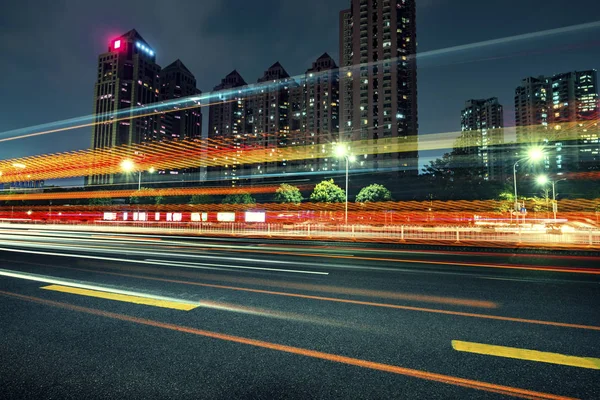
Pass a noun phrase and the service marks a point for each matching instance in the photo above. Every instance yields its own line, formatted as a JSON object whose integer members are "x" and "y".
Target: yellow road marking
{"x": 430, "y": 376}
{"x": 524, "y": 354}
{"x": 123, "y": 297}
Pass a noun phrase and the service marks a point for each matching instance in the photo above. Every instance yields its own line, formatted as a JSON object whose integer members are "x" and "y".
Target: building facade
{"x": 127, "y": 80}
{"x": 560, "y": 113}
{"x": 185, "y": 121}
{"x": 378, "y": 45}
{"x": 574, "y": 116}
{"x": 482, "y": 134}
{"x": 346, "y": 64}
{"x": 322, "y": 102}
{"x": 227, "y": 125}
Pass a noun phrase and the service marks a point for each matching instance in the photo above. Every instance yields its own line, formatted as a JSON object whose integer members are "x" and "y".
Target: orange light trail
{"x": 430, "y": 376}
{"x": 323, "y": 298}
{"x": 456, "y": 209}
{"x": 218, "y": 152}
{"x": 68, "y": 128}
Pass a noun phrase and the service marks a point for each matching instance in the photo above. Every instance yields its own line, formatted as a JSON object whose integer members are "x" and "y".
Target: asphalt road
{"x": 105, "y": 316}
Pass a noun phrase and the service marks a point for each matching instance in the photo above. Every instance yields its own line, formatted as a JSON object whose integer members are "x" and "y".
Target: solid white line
{"x": 78, "y": 284}
{"x": 203, "y": 304}
{"x": 193, "y": 265}
{"x": 178, "y": 254}
{"x": 157, "y": 262}
{"x": 98, "y": 258}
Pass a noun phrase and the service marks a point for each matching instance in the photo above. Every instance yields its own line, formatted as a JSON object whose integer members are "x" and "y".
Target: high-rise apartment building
{"x": 226, "y": 118}
{"x": 560, "y": 113}
{"x": 531, "y": 108}
{"x": 378, "y": 45}
{"x": 268, "y": 115}
{"x": 299, "y": 138}
{"x": 346, "y": 63}
{"x": 482, "y": 135}
{"x": 574, "y": 112}
{"x": 322, "y": 87}
{"x": 185, "y": 122}
{"x": 127, "y": 77}
{"x": 227, "y": 123}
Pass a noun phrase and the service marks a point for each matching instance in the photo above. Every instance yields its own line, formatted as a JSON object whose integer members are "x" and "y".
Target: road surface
{"x": 104, "y": 316}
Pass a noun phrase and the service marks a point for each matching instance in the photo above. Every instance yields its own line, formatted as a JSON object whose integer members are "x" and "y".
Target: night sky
{"x": 49, "y": 51}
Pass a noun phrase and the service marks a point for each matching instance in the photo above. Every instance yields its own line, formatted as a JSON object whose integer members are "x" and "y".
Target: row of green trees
{"x": 457, "y": 175}
{"x": 325, "y": 192}
{"x": 328, "y": 192}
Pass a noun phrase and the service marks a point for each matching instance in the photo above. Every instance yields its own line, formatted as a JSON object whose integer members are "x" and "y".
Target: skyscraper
{"x": 322, "y": 87}
{"x": 378, "y": 45}
{"x": 561, "y": 114}
{"x": 575, "y": 114}
{"x": 176, "y": 81}
{"x": 268, "y": 118}
{"x": 346, "y": 62}
{"x": 482, "y": 135}
{"x": 127, "y": 77}
{"x": 227, "y": 123}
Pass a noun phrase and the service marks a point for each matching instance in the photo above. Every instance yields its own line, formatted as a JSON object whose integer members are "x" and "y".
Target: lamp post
{"x": 534, "y": 154}
{"x": 543, "y": 180}
{"x": 129, "y": 166}
{"x": 342, "y": 152}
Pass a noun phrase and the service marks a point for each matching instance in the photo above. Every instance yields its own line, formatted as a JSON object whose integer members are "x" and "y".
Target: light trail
{"x": 105, "y": 194}
{"x": 251, "y": 89}
{"x": 430, "y": 376}
{"x": 70, "y": 286}
{"x": 510, "y": 39}
{"x": 218, "y": 152}
{"x": 255, "y": 281}
{"x": 83, "y": 285}
{"x": 127, "y": 298}
{"x": 111, "y": 120}
{"x": 218, "y": 267}
{"x": 209, "y": 98}
{"x": 359, "y": 302}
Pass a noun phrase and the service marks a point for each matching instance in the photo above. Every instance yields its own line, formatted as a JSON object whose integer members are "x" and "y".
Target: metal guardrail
{"x": 400, "y": 233}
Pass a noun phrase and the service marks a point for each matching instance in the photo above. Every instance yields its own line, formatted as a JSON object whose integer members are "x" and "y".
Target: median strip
{"x": 524, "y": 354}
{"x": 148, "y": 301}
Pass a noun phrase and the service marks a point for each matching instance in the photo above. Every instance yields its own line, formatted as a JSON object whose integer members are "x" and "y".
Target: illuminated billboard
{"x": 252, "y": 216}
{"x": 226, "y": 217}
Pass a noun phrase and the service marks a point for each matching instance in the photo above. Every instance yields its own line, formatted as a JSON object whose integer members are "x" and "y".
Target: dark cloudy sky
{"x": 49, "y": 50}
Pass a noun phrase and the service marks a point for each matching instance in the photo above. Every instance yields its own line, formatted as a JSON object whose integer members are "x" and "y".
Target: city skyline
{"x": 444, "y": 121}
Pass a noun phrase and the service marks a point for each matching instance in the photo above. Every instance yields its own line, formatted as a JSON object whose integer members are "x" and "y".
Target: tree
{"x": 449, "y": 175}
{"x": 95, "y": 201}
{"x": 507, "y": 201}
{"x": 288, "y": 194}
{"x": 13, "y": 202}
{"x": 138, "y": 197}
{"x": 374, "y": 193}
{"x": 239, "y": 198}
{"x": 328, "y": 192}
{"x": 201, "y": 199}
{"x": 538, "y": 204}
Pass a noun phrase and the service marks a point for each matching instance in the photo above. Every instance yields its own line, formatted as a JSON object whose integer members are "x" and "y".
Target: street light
{"x": 543, "y": 180}
{"x": 342, "y": 151}
{"x": 534, "y": 154}
{"x": 129, "y": 166}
